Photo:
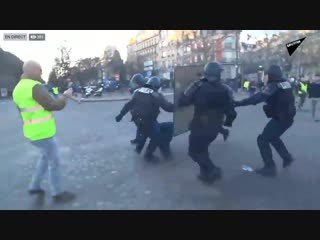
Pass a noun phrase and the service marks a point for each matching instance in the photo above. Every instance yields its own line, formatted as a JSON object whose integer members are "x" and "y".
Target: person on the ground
{"x": 302, "y": 91}
{"x": 280, "y": 107}
{"x": 314, "y": 95}
{"x": 137, "y": 81}
{"x": 145, "y": 107}
{"x": 212, "y": 102}
{"x": 35, "y": 105}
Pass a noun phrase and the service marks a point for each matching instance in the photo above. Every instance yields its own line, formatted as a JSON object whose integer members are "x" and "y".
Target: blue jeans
{"x": 49, "y": 161}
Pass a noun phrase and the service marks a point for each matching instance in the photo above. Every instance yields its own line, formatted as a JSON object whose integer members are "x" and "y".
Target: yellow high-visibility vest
{"x": 303, "y": 88}
{"x": 246, "y": 84}
{"x": 38, "y": 123}
{"x": 55, "y": 90}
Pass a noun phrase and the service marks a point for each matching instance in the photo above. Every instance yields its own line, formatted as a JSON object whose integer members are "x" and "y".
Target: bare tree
{"x": 62, "y": 63}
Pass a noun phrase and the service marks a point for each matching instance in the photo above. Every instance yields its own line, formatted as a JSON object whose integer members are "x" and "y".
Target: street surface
{"x": 100, "y": 166}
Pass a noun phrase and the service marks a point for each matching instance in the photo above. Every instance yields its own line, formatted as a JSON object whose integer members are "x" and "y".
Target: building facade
{"x": 170, "y": 48}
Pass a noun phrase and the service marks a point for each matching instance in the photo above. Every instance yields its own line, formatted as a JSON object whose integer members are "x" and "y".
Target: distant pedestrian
{"x": 302, "y": 92}
{"x": 314, "y": 95}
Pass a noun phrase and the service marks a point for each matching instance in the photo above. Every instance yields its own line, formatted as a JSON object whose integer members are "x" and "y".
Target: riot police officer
{"x": 145, "y": 107}
{"x": 280, "y": 107}
{"x": 137, "y": 81}
{"x": 212, "y": 101}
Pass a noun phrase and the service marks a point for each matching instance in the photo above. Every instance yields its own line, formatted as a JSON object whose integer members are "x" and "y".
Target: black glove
{"x": 228, "y": 124}
{"x": 237, "y": 103}
{"x": 230, "y": 119}
{"x": 118, "y": 118}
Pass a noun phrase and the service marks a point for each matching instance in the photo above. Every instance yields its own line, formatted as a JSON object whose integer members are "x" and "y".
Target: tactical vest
{"x": 281, "y": 105}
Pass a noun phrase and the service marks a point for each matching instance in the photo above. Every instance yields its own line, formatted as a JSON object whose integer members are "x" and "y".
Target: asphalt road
{"x": 100, "y": 166}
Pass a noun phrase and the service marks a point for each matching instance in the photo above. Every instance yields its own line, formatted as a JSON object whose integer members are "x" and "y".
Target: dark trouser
{"x": 137, "y": 134}
{"x": 271, "y": 135}
{"x": 223, "y": 131}
{"x": 302, "y": 99}
{"x": 142, "y": 136}
{"x": 160, "y": 135}
{"x": 166, "y": 136}
{"x": 198, "y": 148}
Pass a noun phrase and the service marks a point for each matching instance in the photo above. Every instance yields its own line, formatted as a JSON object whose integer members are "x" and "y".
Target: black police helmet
{"x": 138, "y": 79}
{"x": 212, "y": 71}
{"x": 154, "y": 82}
{"x": 274, "y": 73}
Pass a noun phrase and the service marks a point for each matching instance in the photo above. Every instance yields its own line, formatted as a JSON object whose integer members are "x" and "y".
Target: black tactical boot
{"x": 210, "y": 176}
{"x": 267, "y": 171}
{"x": 150, "y": 157}
{"x": 134, "y": 141}
{"x": 166, "y": 152}
{"x": 138, "y": 149}
{"x": 286, "y": 163}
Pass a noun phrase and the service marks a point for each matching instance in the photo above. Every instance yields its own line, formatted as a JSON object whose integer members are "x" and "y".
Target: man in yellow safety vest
{"x": 302, "y": 91}
{"x": 35, "y": 105}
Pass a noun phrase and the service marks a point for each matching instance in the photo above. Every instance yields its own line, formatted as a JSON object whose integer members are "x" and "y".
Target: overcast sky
{"x": 84, "y": 43}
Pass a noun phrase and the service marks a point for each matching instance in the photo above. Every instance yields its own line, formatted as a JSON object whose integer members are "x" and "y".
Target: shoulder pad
{"x": 284, "y": 85}
{"x": 192, "y": 88}
{"x": 156, "y": 94}
{"x": 198, "y": 83}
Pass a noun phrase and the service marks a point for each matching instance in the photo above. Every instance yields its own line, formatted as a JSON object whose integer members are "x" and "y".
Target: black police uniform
{"x": 145, "y": 107}
{"x": 225, "y": 132}
{"x": 137, "y": 81}
{"x": 212, "y": 101}
{"x": 280, "y": 107}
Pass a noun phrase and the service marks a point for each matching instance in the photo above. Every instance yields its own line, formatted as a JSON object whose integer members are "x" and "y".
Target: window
{"x": 195, "y": 58}
{"x": 201, "y": 57}
{"x": 229, "y": 56}
{"x": 188, "y": 49}
{"x": 229, "y": 42}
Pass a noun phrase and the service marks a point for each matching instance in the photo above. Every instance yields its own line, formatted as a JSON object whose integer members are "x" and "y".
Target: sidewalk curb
{"x": 113, "y": 99}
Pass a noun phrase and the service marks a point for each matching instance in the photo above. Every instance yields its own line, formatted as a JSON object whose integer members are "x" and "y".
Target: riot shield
{"x": 183, "y": 77}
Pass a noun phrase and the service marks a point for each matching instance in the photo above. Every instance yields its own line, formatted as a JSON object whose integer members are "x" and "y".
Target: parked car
{"x": 112, "y": 85}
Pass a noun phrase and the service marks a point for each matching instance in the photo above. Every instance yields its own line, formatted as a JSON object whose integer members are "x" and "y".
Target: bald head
{"x": 32, "y": 70}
